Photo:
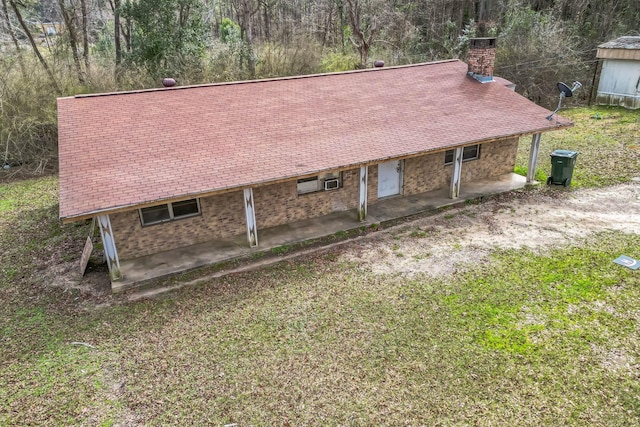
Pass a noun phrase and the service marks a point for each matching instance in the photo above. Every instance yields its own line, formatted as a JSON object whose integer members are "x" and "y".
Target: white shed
{"x": 620, "y": 75}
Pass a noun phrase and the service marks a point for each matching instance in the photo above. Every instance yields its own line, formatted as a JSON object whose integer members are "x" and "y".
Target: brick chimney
{"x": 482, "y": 58}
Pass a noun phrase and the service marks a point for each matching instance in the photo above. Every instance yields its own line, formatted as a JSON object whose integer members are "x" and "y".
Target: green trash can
{"x": 562, "y": 164}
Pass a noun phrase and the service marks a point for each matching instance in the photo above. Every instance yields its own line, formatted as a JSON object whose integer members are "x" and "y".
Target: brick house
{"x": 168, "y": 168}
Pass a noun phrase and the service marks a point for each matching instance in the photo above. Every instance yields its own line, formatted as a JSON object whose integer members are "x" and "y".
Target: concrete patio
{"x": 143, "y": 269}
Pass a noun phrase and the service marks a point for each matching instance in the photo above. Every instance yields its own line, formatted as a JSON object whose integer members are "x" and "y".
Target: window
{"x": 308, "y": 185}
{"x": 324, "y": 182}
{"x": 471, "y": 152}
{"x": 169, "y": 212}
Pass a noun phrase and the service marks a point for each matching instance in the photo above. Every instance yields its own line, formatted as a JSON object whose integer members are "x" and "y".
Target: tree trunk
{"x": 14, "y": 39}
{"x": 267, "y": 21}
{"x": 340, "y": 5}
{"x": 73, "y": 39}
{"x": 47, "y": 39}
{"x": 127, "y": 34}
{"x": 115, "y": 8}
{"x": 251, "y": 63}
{"x": 116, "y": 33}
{"x": 85, "y": 34}
{"x": 34, "y": 46}
{"x": 363, "y": 42}
{"x": 245, "y": 13}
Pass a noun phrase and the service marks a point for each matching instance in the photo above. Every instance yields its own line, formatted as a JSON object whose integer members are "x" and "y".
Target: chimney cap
{"x": 482, "y": 42}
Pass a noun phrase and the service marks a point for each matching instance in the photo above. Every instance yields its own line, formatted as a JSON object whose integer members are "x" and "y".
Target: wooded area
{"x": 53, "y": 48}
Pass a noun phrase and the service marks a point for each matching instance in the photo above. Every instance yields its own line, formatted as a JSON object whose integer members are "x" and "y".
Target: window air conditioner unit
{"x": 331, "y": 184}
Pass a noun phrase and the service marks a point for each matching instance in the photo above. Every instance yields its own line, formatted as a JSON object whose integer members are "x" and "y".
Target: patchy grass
{"x": 523, "y": 339}
{"x": 281, "y": 250}
{"x": 34, "y": 319}
{"x": 24, "y": 222}
{"x": 607, "y": 140}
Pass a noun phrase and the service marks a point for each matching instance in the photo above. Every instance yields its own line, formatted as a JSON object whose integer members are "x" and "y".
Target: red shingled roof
{"x": 126, "y": 149}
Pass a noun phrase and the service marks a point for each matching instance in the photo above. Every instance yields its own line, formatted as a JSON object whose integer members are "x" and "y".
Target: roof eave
{"x": 123, "y": 208}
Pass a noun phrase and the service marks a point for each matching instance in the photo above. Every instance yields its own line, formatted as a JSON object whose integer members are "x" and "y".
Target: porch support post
{"x": 533, "y": 158}
{"x": 457, "y": 173}
{"x": 110, "y": 251}
{"x": 362, "y": 203}
{"x": 252, "y": 228}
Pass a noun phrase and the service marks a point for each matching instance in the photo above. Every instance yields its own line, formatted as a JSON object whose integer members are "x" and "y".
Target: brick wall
{"x": 223, "y": 215}
{"x": 280, "y": 203}
{"x": 428, "y": 173}
{"x": 372, "y": 184}
{"x": 425, "y": 173}
{"x": 481, "y": 57}
{"x": 497, "y": 158}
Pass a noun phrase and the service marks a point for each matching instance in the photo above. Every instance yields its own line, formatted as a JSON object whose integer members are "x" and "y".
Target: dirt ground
{"x": 440, "y": 244}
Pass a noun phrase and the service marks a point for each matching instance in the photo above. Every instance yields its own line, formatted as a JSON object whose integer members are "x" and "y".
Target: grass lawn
{"x": 607, "y": 140}
{"x": 524, "y": 339}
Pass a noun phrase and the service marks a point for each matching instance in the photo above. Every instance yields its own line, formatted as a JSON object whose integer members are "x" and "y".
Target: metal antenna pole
{"x": 550, "y": 116}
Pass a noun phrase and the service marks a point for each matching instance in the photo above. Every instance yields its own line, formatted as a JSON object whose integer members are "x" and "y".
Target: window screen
{"x": 185, "y": 208}
{"x": 155, "y": 214}
{"x": 471, "y": 152}
{"x": 169, "y": 211}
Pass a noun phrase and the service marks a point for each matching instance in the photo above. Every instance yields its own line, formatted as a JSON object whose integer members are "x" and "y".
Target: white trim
{"x": 109, "y": 244}
{"x": 533, "y": 158}
{"x": 456, "y": 175}
{"x": 398, "y": 166}
{"x": 250, "y": 213}
{"x": 627, "y": 95}
{"x": 331, "y": 184}
{"x": 362, "y": 189}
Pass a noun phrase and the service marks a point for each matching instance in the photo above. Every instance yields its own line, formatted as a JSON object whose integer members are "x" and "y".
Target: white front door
{"x": 389, "y": 178}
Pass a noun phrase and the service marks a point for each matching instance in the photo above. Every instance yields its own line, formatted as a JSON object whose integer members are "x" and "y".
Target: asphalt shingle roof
{"x": 126, "y": 149}
{"x": 627, "y": 42}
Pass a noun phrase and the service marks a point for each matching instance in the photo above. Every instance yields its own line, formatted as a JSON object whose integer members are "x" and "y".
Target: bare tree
{"x": 267, "y": 10}
{"x": 116, "y": 32}
{"x": 115, "y": 6}
{"x": 34, "y": 46}
{"x": 245, "y": 10}
{"x": 364, "y": 26}
{"x": 69, "y": 22}
{"x": 85, "y": 34}
{"x": 12, "y": 34}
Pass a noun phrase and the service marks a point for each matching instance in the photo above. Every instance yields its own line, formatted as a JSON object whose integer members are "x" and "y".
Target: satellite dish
{"x": 563, "y": 88}
{"x": 565, "y": 92}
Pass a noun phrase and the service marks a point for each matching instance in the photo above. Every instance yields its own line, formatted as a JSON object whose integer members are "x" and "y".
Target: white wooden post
{"x": 533, "y": 158}
{"x": 362, "y": 202}
{"x": 457, "y": 173}
{"x": 110, "y": 251}
{"x": 252, "y": 228}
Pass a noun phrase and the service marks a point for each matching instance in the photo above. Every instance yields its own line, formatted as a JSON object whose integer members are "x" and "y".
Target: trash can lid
{"x": 564, "y": 153}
